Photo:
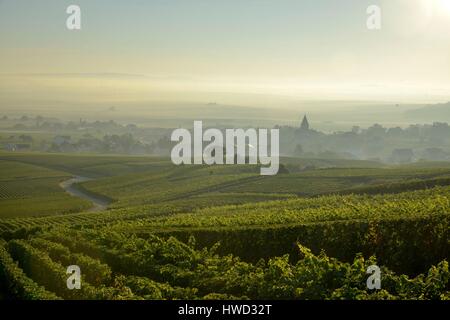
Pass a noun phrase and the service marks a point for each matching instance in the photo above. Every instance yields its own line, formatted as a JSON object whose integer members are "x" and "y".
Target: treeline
{"x": 397, "y": 145}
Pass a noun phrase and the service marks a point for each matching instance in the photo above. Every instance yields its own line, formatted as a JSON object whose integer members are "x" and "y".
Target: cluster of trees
{"x": 83, "y": 136}
{"x": 399, "y": 145}
{"x": 429, "y": 142}
{"x": 51, "y": 124}
{"x": 396, "y": 145}
{"x": 124, "y": 144}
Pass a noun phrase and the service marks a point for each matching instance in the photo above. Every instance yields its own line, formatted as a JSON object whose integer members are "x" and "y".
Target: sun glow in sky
{"x": 186, "y": 49}
{"x": 445, "y": 4}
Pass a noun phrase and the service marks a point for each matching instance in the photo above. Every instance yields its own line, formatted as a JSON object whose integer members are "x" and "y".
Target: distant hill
{"x": 434, "y": 112}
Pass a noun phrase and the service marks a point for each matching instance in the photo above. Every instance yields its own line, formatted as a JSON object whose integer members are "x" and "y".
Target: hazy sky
{"x": 199, "y": 49}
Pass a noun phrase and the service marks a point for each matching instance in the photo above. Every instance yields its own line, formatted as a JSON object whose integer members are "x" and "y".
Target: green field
{"x": 221, "y": 232}
{"x": 30, "y": 190}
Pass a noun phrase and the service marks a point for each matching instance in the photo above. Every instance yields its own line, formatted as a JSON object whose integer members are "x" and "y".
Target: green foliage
{"x": 169, "y": 269}
{"x": 160, "y": 239}
{"x": 95, "y": 272}
{"x": 16, "y": 284}
{"x": 40, "y": 267}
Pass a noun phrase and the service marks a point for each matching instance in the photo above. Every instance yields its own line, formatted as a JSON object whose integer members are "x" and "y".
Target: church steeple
{"x": 305, "y": 123}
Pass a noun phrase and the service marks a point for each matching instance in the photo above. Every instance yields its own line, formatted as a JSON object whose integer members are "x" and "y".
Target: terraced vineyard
{"x": 29, "y": 190}
{"x": 225, "y": 232}
{"x": 122, "y": 267}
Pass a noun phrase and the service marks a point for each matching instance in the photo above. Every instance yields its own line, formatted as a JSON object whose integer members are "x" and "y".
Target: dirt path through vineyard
{"x": 69, "y": 186}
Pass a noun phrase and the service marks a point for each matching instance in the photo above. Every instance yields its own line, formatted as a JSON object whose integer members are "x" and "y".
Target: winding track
{"x": 69, "y": 186}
